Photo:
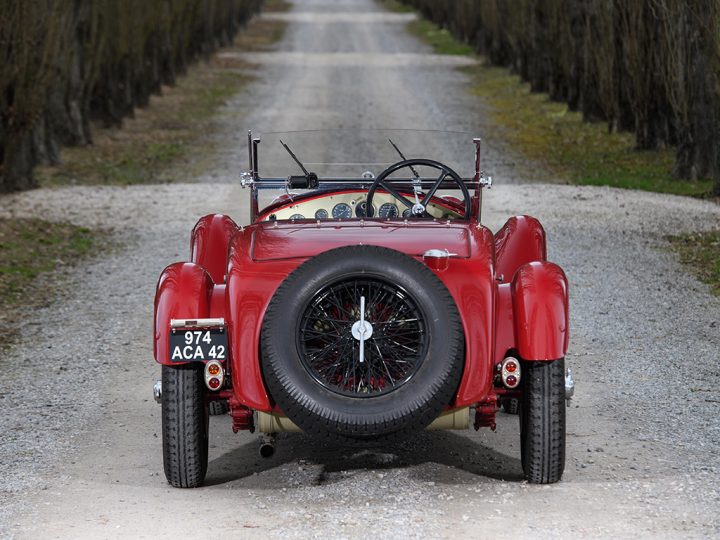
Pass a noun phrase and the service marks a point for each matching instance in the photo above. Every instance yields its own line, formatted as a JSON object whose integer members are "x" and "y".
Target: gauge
{"x": 342, "y": 211}
{"x": 321, "y": 214}
{"x": 361, "y": 210}
{"x": 407, "y": 213}
{"x": 297, "y": 216}
{"x": 388, "y": 210}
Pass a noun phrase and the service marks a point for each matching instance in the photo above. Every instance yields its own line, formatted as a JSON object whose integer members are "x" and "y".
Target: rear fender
{"x": 209, "y": 244}
{"x": 520, "y": 241}
{"x": 540, "y": 308}
{"x": 184, "y": 291}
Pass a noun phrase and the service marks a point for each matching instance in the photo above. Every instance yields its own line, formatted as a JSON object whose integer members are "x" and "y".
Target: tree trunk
{"x": 16, "y": 171}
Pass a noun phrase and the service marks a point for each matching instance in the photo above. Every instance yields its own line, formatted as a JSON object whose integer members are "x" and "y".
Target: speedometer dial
{"x": 342, "y": 211}
{"x": 388, "y": 210}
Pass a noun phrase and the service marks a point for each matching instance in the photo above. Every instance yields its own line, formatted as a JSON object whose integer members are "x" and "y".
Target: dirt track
{"x": 81, "y": 456}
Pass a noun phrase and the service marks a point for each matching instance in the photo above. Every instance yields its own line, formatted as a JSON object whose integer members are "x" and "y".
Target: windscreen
{"x": 350, "y": 153}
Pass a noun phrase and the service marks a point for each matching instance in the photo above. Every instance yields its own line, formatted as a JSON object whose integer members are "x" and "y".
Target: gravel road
{"x": 80, "y": 455}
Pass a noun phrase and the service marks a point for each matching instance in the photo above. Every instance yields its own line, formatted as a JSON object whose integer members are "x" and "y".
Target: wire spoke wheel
{"x": 385, "y": 358}
{"x": 362, "y": 343}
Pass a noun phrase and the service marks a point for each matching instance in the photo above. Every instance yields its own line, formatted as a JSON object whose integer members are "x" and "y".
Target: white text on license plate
{"x": 198, "y": 345}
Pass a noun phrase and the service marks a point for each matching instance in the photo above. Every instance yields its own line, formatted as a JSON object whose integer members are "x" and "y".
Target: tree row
{"x": 65, "y": 65}
{"x": 648, "y": 66}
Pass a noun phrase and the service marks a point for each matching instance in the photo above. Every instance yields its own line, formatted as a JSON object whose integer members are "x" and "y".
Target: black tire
{"x": 511, "y": 405}
{"x": 322, "y": 412}
{"x": 218, "y": 408}
{"x": 542, "y": 421}
{"x": 184, "y": 426}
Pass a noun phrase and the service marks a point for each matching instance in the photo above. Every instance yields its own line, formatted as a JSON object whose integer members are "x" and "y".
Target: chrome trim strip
{"x": 197, "y": 323}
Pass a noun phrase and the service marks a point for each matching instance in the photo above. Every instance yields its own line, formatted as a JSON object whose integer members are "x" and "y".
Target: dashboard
{"x": 348, "y": 205}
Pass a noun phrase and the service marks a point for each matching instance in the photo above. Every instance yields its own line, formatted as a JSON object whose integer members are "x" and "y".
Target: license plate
{"x": 198, "y": 345}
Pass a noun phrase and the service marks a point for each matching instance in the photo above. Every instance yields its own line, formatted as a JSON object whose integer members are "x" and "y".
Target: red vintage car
{"x": 361, "y": 309}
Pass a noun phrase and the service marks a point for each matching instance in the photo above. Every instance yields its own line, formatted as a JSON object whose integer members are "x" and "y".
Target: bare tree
{"x": 63, "y": 64}
{"x": 650, "y": 66}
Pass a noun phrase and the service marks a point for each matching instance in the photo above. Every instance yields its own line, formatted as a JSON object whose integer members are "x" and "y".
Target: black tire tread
{"x": 218, "y": 408}
{"x": 542, "y": 419}
{"x": 511, "y": 405}
{"x": 184, "y": 426}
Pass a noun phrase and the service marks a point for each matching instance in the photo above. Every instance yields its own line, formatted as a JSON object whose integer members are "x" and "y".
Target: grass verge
{"x": 438, "y": 38}
{"x": 30, "y": 248}
{"x": 557, "y": 138}
{"x": 701, "y": 252}
{"x": 441, "y": 40}
{"x": 262, "y": 33}
{"x": 585, "y": 153}
{"x": 170, "y": 133}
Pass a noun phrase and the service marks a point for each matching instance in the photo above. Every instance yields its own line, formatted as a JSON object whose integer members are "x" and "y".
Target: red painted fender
{"x": 184, "y": 291}
{"x": 540, "y": 307}
{"x": 520, "y": 241}
{"x": 209, "y": 244}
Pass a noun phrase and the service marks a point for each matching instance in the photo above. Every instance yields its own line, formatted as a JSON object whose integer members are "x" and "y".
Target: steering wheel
{"x": 418, "y": 208}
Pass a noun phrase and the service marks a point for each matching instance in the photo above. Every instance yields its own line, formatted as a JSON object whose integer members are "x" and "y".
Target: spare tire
{"x": 345, "y": 375}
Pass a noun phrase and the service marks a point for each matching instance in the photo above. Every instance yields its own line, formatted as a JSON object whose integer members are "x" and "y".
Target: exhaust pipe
{"x": 267, "y": 445}
{"x": 569, "y": 385}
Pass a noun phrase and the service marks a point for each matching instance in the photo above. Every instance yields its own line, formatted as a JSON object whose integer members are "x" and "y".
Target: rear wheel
{"x": 542, "y": 421}
{"x": 184, "y": 426}
{"x": 218, "y": 408}
{"x": 511, "y": 405}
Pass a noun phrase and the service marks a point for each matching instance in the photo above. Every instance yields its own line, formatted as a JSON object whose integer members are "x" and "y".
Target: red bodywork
{"x": 511, "y": 300}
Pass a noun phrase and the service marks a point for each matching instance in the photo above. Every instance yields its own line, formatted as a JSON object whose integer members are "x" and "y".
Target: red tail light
{"x": 510, "y": 372}
{"x": 214, "y": 375}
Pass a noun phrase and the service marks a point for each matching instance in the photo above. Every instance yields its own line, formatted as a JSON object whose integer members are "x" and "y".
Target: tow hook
{"x": 267, "y": 445}
{"x": 157, "y": 391}
{"x": 569, "y": 386}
